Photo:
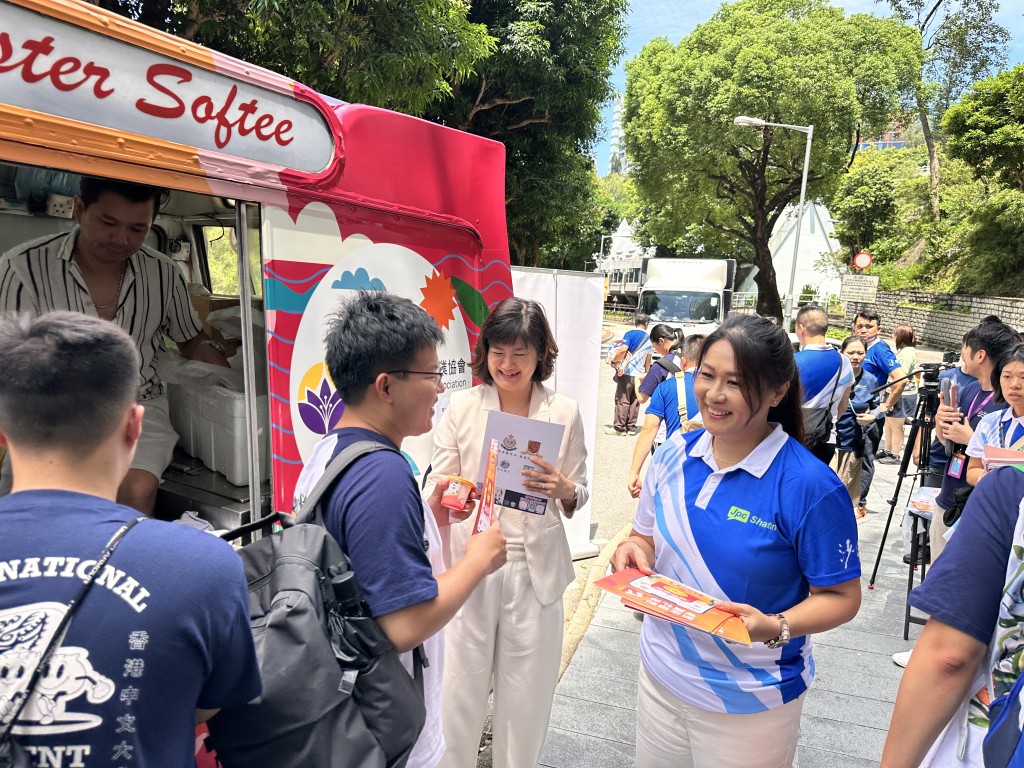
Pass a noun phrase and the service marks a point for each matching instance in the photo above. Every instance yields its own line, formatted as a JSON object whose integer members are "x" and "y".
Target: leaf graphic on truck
{"x": 473, "y": 305}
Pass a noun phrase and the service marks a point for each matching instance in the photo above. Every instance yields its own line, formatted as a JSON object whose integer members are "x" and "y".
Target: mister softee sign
{"x": 57, "y": 68}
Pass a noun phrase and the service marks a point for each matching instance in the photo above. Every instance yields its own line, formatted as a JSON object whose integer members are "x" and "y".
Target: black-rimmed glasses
{"x": 435, "y": 375}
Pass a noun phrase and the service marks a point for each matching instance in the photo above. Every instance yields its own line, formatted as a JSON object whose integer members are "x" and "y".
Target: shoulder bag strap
{"x": 309, "y": 511}
{"x": 62, "y": 628}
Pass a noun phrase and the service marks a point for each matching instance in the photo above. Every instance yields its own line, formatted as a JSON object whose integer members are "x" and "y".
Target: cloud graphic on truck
{"x": 358, "y": 280}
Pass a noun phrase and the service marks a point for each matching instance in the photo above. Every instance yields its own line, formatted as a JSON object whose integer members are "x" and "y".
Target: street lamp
{"x": 757, "y": 122}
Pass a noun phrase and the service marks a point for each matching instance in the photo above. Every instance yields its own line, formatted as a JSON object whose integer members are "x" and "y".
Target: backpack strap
{"x": 667, "y": 364}
{"x": 684, "y": 412}
{"x": 309, "y": 511}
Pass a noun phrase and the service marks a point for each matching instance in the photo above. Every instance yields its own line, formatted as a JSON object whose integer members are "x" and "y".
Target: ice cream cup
{"x": 457, "y": 492}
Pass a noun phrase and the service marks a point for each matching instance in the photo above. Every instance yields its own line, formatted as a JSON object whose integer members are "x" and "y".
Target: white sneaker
{"x": 900, "y": 659}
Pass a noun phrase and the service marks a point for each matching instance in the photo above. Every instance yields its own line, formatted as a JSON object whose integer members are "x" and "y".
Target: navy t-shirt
{"x": 164, "y": 631}
{"x": 964, "y": 587}
{"x": 937, "y": 453}
{"x": 974, "y": 403}
{"x": 376, "y": 514}
{"x": 849, "y": 434}
{"x": 656, "y": 375}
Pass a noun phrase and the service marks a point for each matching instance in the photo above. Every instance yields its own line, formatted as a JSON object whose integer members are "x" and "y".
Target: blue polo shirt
{"x": 761, "y": 532}
{"x": 664, "y": 402}
{"x": 880, "y": 361}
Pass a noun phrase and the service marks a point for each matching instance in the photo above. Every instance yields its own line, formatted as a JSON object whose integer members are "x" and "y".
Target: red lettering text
{"x": 181, "y": 74}
{"x": 57, "y": 72}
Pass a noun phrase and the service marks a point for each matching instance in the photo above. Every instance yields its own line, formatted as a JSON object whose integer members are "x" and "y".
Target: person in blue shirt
{"x": 667, "y": 342}
{"x": 941, "y": 713}
{"x": 851, "y": 442}
{"x": 632, "y": 362}
{"x": 881, "y": 363}
{"x": 663, "y": 417}
{"x": 382, "y": 357}
{"x": 983, "y": 346}
{"x": 741, "y": 511}
{"x": 825, "y": 374}
{"x": 162, "y": 640}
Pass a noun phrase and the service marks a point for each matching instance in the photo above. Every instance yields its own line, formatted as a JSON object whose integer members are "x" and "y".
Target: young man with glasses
{"x": 382, "y": 357}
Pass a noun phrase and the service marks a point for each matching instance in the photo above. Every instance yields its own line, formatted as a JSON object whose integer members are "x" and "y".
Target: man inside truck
{"x": 101, "y": 268}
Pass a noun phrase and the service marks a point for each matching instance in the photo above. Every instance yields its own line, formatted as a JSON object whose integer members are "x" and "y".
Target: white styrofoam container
{"x": 210, "y": 422}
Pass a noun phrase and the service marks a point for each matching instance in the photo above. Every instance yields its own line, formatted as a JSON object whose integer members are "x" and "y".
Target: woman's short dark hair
{"x": 1014, "y": 355}
{"x": 903, "y": 335}
{"x": 661, "y": 331}
{"x": 515, "y": 320}
{"x": 764, "y": 362}
{"x": 849, "y": 340}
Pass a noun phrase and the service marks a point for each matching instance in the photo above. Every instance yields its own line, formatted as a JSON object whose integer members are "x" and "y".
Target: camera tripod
{"x": 923, "y": 425}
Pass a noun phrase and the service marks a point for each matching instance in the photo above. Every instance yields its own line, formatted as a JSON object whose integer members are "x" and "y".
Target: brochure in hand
{"x": 668, "y": 599}
{"x": 518, "y": 439}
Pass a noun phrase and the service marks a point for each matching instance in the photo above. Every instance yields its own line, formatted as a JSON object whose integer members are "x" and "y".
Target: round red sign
{"x": 862, "y": 260}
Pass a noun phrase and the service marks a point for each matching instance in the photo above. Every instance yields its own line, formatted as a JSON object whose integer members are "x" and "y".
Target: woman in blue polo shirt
{"x": 741, "y": 511}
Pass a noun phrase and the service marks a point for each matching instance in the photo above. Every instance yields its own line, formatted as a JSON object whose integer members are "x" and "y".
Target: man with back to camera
{"x": 825, "y": 373}
{"x": 382, "y": 357}
{"x": 634, "y": 360}
{"x": 162, "y": 640}
{"x": 101, "y": 268}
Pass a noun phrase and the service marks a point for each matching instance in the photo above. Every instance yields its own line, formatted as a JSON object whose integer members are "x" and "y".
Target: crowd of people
{"x": 760, "y": 459}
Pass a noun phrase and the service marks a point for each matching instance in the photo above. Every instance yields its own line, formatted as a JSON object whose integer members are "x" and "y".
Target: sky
{"x": 674, "y": 19}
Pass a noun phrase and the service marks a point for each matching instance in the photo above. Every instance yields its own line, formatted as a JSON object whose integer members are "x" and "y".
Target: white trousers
{"x": 503, "y": 634}
{"x": 671, "y": 733}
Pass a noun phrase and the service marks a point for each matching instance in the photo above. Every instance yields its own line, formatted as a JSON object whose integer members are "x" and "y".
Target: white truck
{"x": 692, "y": 294}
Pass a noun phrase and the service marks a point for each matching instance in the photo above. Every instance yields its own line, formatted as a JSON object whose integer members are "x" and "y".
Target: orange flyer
{"x": 668, "y": 599}
{"x": 483, "y": 515}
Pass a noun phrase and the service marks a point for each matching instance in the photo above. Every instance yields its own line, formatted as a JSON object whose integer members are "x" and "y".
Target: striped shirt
{"x": 40, "y": 276}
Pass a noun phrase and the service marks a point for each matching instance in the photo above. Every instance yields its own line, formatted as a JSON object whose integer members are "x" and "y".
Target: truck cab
{"x": 691, "y": 294}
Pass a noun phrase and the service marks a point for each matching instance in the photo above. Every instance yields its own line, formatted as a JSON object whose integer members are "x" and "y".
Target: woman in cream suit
{"x": 510, "y": 630}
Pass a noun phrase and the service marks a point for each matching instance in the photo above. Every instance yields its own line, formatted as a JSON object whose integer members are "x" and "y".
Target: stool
{"x": 918, "y": 545}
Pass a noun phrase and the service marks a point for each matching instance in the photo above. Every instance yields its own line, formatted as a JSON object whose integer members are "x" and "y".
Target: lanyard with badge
{"x": 958, "y": 461}
{"x": 1018, "y": 444}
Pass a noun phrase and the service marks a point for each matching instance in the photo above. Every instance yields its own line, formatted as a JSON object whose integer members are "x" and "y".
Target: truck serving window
{"x": 680, "y": 306}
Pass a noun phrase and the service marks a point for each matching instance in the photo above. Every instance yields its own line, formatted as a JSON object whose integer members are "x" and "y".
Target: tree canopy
{"x": 798, "y": 62}
{"x": 540, "y": 93}
{"x": 986, "y": 128}
{"x": 961, "y": 43}
{"x": 398, "y": 54}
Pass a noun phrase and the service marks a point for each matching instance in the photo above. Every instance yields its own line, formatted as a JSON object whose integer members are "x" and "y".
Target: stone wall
{"x": 940, "y": 320}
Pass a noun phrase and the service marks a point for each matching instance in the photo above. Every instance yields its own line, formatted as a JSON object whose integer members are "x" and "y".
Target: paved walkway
{"x": 847, "y": 711}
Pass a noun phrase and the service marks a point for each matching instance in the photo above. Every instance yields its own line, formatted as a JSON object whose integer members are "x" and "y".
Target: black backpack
{"x": 335, "y": 692}
{"x": 818, "y": 421}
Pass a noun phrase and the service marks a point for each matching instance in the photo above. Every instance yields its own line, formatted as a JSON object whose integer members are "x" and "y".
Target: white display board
{"x": 573, "y": 302}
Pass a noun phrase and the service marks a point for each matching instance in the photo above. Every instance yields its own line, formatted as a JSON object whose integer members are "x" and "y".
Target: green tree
{"x": 962, "y": 43}
{"x": 986, "y": 128}
{"x": 540, "y": 94}
{"x": 398, "y": 54}
{"x": 787, "y": 61}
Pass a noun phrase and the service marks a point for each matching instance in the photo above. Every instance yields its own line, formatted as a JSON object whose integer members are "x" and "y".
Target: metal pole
{"x": 799, "y": 226}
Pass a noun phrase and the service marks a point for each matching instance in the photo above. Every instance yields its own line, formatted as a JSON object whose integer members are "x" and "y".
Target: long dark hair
{"x": 764, "y": 362}
{"x": 1015, "y": 355}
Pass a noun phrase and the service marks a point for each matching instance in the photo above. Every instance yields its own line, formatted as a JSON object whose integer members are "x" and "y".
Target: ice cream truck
{"x": 282, "y": 201}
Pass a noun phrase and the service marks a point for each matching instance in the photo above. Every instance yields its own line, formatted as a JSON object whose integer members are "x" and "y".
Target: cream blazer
{"x": 457, "y": 443}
